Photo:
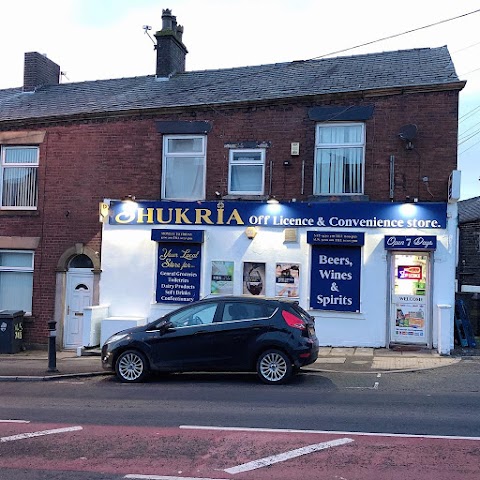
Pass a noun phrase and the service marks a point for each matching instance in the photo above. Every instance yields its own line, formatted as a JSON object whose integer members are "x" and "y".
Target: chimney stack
{"x": 171, "y": 51}
{"x": 39, "y": 71}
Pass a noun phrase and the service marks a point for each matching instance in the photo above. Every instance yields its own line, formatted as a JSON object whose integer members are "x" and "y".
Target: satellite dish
{"x": 408, "y": 133}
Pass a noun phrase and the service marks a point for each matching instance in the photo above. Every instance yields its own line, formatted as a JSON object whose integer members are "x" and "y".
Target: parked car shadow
{"x": 230, "y": 378}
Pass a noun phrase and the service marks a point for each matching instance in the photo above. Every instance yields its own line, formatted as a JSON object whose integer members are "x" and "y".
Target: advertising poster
{"x": 254, "y": 278}
{"x": 287, "y": 280}
{"x": 178, "y": 274}
{"x": 222, "y": 278}
{"x": 410, "y": 272}
{"x": 410, "y": 319}
{"x": 335, "y": 278}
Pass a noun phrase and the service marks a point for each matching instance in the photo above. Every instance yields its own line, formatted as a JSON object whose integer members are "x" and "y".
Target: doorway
{"x": 79, "y": 294}
{"x": 410, "y": 298}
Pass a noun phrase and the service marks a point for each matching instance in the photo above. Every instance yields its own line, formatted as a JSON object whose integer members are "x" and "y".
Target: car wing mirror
{"x": 166, "y": 327}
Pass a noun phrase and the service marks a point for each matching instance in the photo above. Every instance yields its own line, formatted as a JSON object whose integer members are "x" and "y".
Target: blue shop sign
{"x": 284, "y": 215}
{"x": 336, "y": 238}
{"x": 178, "y": 271}
{"x": 410, "y": 242}
{"x": 178, "y": 236}
{"x": 335, "y": 278}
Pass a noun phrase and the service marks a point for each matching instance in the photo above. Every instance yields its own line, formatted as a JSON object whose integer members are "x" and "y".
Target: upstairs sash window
{"x": 339, "y": 159}
{"x": 246, "y": 172}
{"x": 184, "y": 165}
{"x": 18, "y": 174}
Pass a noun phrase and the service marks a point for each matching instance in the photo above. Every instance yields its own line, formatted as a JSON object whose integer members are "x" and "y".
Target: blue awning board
{"x": 329, "y": 215}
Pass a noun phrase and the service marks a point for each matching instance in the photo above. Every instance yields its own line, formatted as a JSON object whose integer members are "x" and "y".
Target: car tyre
{"x": 274, "y": 367}
{"x": 131, "y": 367}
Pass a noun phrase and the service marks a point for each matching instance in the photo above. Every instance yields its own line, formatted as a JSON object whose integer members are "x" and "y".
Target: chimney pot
{"x": 167, "y": 19}
{"x": 179, "y": 33}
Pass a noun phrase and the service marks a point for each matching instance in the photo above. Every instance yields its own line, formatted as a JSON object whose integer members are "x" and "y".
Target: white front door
{"x": 410, "y": 309}
{"x": 79, "y": 295}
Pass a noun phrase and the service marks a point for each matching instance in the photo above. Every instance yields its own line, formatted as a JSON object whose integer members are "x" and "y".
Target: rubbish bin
{"x": 11, "y": 331}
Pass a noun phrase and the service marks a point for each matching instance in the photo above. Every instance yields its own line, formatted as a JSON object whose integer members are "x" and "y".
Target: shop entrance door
{"x": 410, "y": 305}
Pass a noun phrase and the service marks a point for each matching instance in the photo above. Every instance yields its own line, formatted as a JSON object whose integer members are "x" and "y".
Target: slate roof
{"x": 469, "y": 210}
{"x": 396, "y": 69}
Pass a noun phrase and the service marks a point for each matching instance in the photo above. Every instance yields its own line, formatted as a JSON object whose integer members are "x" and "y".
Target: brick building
{"x": 468, "y": 269}
{"x": 347, "y": 145}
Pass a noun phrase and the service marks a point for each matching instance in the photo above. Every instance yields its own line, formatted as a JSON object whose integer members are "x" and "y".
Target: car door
{"x": 240, "y": 324}
{"x": 186, "y": 345}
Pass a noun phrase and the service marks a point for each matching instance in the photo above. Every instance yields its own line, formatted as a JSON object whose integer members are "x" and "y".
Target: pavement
{"x": 34, "y": 365}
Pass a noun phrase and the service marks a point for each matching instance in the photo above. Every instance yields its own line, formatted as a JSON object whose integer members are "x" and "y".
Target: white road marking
{"x": 281, "y": 457}
{"x": 328, "y": 432}
{"x": 14, "y": 421}
{"x": 375, "y": 387}
{"x": 21, "y": 436}
{"x": 162, "y": 477}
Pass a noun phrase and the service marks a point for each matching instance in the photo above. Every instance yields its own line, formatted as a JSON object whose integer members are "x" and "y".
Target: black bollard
{"x": 52, "y": 349}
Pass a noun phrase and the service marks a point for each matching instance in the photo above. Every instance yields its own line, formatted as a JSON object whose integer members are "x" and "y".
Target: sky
{"x": 100, "y": 39}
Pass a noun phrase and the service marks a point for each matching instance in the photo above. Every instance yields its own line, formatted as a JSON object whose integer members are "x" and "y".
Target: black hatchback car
{"x": 273, "y": 337}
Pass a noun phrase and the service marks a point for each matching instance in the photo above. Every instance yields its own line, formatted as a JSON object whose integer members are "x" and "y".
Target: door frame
{"x": 428, "y": 298}
{"x": 61, "y": 280}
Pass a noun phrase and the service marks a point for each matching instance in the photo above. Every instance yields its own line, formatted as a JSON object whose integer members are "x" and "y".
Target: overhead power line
{"x": 397, "y": 35}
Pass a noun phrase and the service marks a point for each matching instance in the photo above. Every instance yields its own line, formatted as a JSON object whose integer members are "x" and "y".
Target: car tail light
{"x": 293, "y": 321}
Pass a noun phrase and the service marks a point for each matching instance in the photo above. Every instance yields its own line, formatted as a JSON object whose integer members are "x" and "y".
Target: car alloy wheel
{"x": 274, "y": 367}
{"x": 131, "y": 366}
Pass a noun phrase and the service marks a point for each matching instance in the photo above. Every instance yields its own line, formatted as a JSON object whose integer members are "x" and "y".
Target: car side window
{"x": 245, "y": 311}
{"x": 196, "y": 315}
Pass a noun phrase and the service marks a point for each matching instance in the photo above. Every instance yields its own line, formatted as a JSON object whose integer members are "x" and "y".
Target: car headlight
{"x": 117, "y": 337}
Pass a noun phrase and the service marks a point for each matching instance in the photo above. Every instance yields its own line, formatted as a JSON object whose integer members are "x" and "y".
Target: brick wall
{"x": 468, "y": 272}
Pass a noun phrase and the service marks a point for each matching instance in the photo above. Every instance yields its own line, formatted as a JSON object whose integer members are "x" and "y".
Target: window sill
{"x": 19, "y": 213}
{"x": 245, "y": 197}
{"x": 339, "y": 198}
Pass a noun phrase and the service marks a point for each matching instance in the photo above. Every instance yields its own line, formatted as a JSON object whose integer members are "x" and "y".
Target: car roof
{"x": 249, "y": 298}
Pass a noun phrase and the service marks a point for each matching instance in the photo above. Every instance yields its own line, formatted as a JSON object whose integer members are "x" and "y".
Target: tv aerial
{"x": 146, "y": 29}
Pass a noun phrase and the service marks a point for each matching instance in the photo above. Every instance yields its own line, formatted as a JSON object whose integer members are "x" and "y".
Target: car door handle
{"x": 200, "y": 331}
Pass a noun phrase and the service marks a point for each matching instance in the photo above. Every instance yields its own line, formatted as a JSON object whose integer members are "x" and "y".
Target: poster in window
{"x": 254, "y": 278}
{"x": 410, "y": 319}
{"x": 222, "y": 278}
{"x": 287, "y": 280}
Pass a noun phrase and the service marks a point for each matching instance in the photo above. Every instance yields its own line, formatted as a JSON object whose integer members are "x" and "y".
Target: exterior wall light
{"x": 251, "y": 232}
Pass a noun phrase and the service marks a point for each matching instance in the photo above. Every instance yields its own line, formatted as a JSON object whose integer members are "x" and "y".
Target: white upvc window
{"x": 246, "y": 171}
{"x": 18, "y": 178}
{"x": 184, "y": 167}
{"x": 16, "y": 280}
{"x": 339, "y": 159}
